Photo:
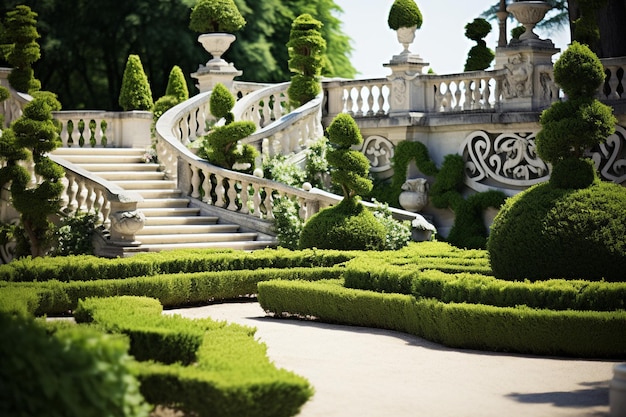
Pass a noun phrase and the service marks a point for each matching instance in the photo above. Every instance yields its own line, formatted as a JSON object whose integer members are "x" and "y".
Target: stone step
{"x": 148, "y": 184}
{"x": 157, "y": 193}
{"x": 135, "y": 175}
{"x": 97, "y": 158}
{"x": 95, "y": 168}
{"x": 242, "y": 245}
{"x": 75, "y": 150}
{"x": 163, "y": 202}
{"x": 186, "y": 229}
{"x": 195, "y": 238}
{"x": 170, "y": 211}
{"x": 180, "y": 220}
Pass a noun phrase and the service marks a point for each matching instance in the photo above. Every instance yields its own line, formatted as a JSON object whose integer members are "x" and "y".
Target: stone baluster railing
{"x": 263, "y": 106}
{"x": 615, "y": 81}
{"x": 104, "y": 129}
{"x": 116, "y": 208}
{"x": 359, "y": 98}
{"x": 475, "y": 90}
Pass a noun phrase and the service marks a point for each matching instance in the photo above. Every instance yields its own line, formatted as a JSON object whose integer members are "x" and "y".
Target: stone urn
{"x": 529, "y": 13}
{"x": 216, "y": 44}
{"x": 126, "y": 223}
{"x": 415, "y": 195}
{"x": 406, "y": 36}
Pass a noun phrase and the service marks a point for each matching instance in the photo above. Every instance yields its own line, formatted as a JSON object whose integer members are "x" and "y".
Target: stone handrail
{"x": 263, "y": 106}
{"x": 13, "y": 106}
{"x": 93, "y": 128}
{"x": 615, "y": 81}
{"x": 116, "y": 208}
{"x": 359, "y": 98}
{"x": 472, "y": 90}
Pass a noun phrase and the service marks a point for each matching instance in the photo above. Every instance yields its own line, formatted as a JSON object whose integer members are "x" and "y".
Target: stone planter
{"x": 216, "y": 44}
{"x": 406, "y": 36}
{"x": 529, "y": 13}
{"x": 414, "y": 197}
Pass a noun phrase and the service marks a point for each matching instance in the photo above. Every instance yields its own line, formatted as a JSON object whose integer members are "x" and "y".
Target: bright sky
{"x": 441, "y": 40}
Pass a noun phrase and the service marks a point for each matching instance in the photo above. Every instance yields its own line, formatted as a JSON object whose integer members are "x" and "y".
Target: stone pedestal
{"x": 404, "y": 96}
{"x": 209, "y": 75}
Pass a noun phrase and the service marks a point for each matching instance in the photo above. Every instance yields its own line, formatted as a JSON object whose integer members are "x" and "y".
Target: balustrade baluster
{"x": 438, "y": 98}
{"x": 184, "y": 130}
{"x": 447, "y": 98}
{"x": 220, "y": 191}
{"x": 381, "y": 100}
{"x": 195, "y": 182}
{"x": 89, "y": 198}
{"x": 349, "y": 102}
{"x": 457, "y": 96}
{"x": 80, "y": 194}
{"x": 370, "y": 101}
{"x": 99, "y": 204}
{"x": 613, "y": 83}
{"x": 467, "y": 105}
{"x": 359, "y": 102}
{"x": 244, "y": 197}
{"x": 256, "y": 201}
{"x": 487, "y": 94}
{"x": 302, "y": 212}
{"x": 71, "y": 192}
{"x": 207, "y": 187}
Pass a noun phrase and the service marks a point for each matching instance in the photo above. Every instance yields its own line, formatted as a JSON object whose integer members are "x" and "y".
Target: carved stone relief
{"x": 610, "y": 157}
{"x": 518, "y": 81}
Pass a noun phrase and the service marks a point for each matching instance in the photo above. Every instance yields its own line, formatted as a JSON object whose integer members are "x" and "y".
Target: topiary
{"x": 548, "y": 232}
{"x": 21, "y": 49}
{"x": 404, "y": 13}
{"x": 135, "y": 93}
{"x": 221, "y": 145}
{"x": 209, "y": 16}
{"x": 176, "y": 85}
{"x": 346, "y": 226}
{"x": 479, "y": 57}
{"x": 570, "y": 127}
{"x": 306, "y": 55}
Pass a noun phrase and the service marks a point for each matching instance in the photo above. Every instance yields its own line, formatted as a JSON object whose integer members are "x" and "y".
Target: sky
{"x": 440, "y": 41}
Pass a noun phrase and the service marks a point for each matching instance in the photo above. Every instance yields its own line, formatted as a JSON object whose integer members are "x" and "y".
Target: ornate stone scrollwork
{"x": 518, "y": 81}
{"x": 398, "y": 91}
{"x": 379, "y": 151}
{"x": 610, "y": 157}
{"x": 506, "y": 161}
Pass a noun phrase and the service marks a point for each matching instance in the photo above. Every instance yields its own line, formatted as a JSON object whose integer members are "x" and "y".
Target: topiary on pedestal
{"x": 221, "y": 146}
{"x": 306, "y": 54}
{"x": 572, "y": 226}
{"x": 404, "y": 14}
{"x": 216, "y": 16}
{"x": 479, "y": 57}
{"x": 348, "y": 225}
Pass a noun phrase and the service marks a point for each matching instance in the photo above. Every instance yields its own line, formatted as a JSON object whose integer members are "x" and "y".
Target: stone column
{"x": 209, "y": 76}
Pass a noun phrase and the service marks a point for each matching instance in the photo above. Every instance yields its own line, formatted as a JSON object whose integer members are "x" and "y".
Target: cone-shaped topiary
{"x": 306, "y": 55}
{"x": 221, "y": 145}
{"x": 479, "y": 57}
{"x": 404, "y": 13}
{"x": 135, "y": 93}
{"x": 176, "y": 85}
{"x": 21, "y": 49}
{"x": 210, "y": 16}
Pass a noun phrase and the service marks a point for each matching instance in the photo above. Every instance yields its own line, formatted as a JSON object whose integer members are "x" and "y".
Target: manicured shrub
{"x": 479, "y": 57}
{"x": 135, "y": 93}
{"x": 176, "y": 85}
{"x": 306, "y": 54}
{"x": 404, "y": 13}
{"x": 208, "y": 16}
{"x": 21, "y": 49}
{"x": 221, "y": 146}
{"x": 548, "y": 232}
{"x": 76, "y": 371}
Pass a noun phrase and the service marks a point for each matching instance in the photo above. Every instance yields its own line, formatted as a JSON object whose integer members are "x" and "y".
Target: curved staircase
{"x": 171, "y": 221}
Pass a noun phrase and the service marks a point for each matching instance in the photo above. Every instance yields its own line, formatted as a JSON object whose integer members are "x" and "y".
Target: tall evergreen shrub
{"x": 20, "y": 48}
{"x": 135, "y": 93}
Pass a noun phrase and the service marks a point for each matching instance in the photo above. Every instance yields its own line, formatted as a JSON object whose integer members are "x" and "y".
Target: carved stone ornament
{"x": 506, "y": 161}
{"x": 518, "y": 81}
{"x": 399, "y": 91}
{"x": 414, "y": 196}
{"x": 406, "y": 36}
{"x": 127, "y": 223}
{"x": 610, "y": 157}
{"x": 216, "y": 44}
{"x": 379, "y": 151}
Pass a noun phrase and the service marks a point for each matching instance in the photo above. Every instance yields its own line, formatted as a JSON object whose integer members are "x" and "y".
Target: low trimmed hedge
{"x": 54, "y": 297}
{"x": 469, "y": 326}
{"x": 85, "y": 267}
{"x": 231, "y": 374}
{"x": 556, "y": 294}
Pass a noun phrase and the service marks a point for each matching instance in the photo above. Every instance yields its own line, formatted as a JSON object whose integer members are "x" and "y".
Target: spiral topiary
{"x": 306, "y": 55}
{"x": 479, "y": 57}
{"x": 573, "y": 226}
{"x": 404, "y": 13}
{"x": 21, "y": 48}
{"x": 221, "y": 145}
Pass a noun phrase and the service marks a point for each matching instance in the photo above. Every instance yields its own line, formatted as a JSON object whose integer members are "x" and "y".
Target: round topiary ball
{"x": 347, "y": 226}
{"x": 548, "y": 232}
{"x": 573, "y": 173}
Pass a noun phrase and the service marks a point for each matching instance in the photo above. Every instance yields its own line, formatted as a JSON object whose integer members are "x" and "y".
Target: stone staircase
{"x": 171, "y": 222}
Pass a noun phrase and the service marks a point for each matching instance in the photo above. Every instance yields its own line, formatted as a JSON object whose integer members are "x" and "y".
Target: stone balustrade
{"x": 615, "y": 81}
{"x": 468, "y": 91}
{"x": 359, "y": 98}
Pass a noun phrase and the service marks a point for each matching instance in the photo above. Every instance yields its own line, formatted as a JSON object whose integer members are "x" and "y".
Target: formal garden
{"x": 549, "y": 281}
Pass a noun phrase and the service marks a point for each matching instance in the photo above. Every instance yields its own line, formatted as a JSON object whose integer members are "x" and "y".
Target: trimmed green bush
{"x": 76, "y": 371}
{"x": 135, "y": 93}
{"x": 21, "y": 49}
{"x": 404, "y": 13}
{"x": 177, "y": 85}
{"x": 347, "y": 226}
{"x": 306, "y": 56}
{"x": 208, "y": 16}
{"x": 468, "y": 326}
{"x": 479, "y": 57}
{"x": 548, "y": 232}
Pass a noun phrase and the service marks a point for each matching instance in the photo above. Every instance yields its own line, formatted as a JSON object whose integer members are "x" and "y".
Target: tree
{"x": 135, "y": 93}
{"x": 20, "y": 48}
{"x": 479, "y": 57}
{"x": 306, "y": 49}
{"x": 85, "y": 44}
{"x": 29, "y": 139}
